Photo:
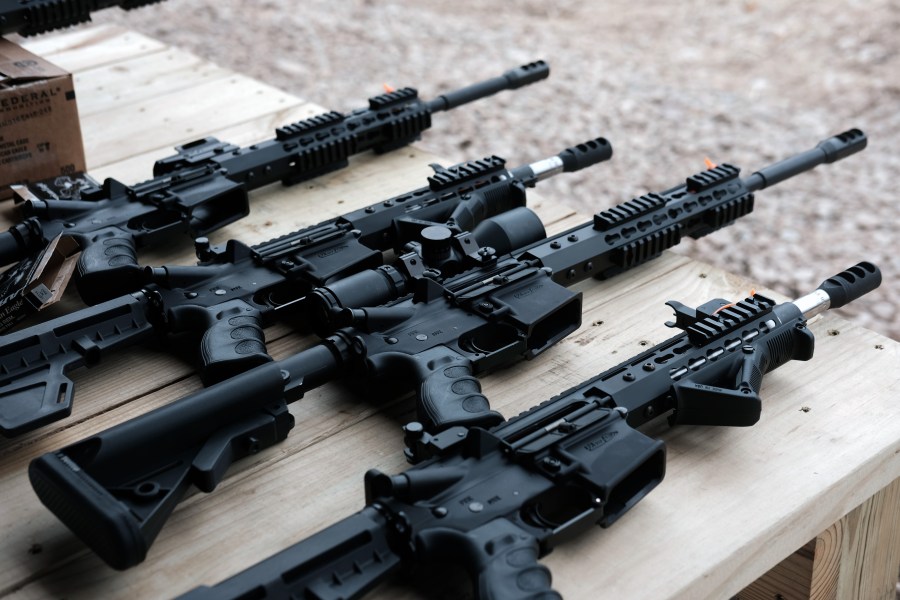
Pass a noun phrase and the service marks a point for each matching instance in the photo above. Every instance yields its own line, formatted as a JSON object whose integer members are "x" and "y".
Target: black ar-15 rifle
{"x": 116, "y": 495}
{"x": 204, "y": 186}
{"x": 496, "y": 500}
{"x": 30, "y": 17}
{"x": 237, "y": 290}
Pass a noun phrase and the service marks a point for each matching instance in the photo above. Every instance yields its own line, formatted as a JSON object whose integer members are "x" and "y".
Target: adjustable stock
{"x": 116, "y": 489}
{"x": 35, "y": 388}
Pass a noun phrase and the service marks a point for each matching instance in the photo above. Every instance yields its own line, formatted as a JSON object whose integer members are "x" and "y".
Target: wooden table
{"x": 823, "y": 461}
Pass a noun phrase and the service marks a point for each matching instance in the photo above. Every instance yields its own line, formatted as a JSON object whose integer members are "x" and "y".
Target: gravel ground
{"x": 741, "y": 82}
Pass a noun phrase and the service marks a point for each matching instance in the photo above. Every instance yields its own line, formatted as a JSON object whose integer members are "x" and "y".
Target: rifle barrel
{"x": 512, "y": 79}
{"x": 827, "y": 151}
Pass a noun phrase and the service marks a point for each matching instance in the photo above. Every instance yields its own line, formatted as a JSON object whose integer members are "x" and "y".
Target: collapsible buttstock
{"x": 116, "y": 489}
{"x": 34, "y": 362}
{"x": 36, "y": 399}
{"x": 110, "y": 526}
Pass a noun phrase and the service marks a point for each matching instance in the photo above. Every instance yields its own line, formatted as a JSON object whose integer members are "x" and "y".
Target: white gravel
{"x": 668, "y": 83}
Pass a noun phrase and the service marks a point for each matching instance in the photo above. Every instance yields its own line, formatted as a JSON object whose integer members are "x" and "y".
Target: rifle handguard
{"x": 45, "y": 15}
{"x": 740, "y": 405}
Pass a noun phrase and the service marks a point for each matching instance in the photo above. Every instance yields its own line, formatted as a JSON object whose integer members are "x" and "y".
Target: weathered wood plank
{"x": 867, "y": 551}
{"x": 156, "y": 73}
{"x": 177, "y": 117}
{"x": 93, "y": 47}
{"x": 857, "y": 557}
{"x": 791, "y": 578}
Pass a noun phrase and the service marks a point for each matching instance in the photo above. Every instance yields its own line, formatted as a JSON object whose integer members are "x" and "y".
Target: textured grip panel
{"x": 233, "y": 344}
{"x": 450, "y": 396}
{"x": 515, "y": 574}
{"x": 107, "y": 267}
{"x": 509, "y": 569}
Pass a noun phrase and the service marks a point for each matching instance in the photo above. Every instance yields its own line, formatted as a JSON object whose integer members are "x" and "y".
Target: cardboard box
{"x": 40, "y": 134}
